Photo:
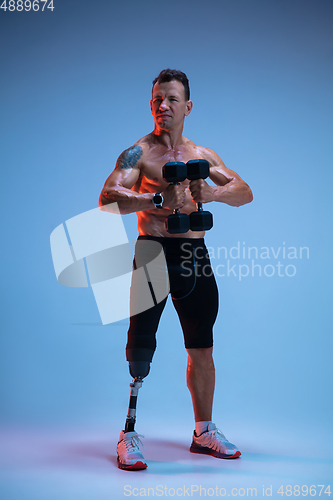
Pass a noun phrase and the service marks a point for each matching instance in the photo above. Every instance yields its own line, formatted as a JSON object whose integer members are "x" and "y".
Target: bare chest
{"x": 151, "y": 177}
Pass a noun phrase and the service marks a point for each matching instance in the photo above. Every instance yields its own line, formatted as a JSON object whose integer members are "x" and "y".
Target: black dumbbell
{"x": 201, "y": 220}
{"x": 176, "y": 172}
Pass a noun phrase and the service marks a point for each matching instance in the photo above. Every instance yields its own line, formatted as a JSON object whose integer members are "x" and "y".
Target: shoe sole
{"x": 137, "y": 466}
{"x": 216, "y": 454}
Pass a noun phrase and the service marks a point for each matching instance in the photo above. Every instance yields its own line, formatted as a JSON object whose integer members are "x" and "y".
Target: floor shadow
{"x": 264, "y": 457}
{"x": 165, "y": 457}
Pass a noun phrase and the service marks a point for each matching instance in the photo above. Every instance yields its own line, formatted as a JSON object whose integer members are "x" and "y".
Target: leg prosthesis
{"x": 139, "y": 370}
{"x": 128, "y": 448}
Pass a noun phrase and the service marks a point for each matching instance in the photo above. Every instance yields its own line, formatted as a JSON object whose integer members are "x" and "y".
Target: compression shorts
{"x": 193, "y": 291}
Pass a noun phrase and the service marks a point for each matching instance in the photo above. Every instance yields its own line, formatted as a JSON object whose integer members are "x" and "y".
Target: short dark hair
{"x": 167, "y": 75}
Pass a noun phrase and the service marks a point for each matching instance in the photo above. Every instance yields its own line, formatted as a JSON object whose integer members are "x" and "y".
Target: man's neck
{"x": 169, "y": 138}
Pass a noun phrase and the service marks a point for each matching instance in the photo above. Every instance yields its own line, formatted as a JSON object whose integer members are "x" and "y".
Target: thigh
{"x": 197, "y": 311}
{"x": 149, "y": 290}
{"x": 141, "y": 336}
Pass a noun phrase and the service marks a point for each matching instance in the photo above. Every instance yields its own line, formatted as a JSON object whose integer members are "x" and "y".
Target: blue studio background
{"x": 75, "y": 90}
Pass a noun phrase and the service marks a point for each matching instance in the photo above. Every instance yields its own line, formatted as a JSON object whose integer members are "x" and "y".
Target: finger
{"x": 195, "y": 192}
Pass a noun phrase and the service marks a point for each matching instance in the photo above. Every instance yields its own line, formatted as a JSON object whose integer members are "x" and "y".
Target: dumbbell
{"x": 201, "y": 220}
{"x": 176, "y": 172}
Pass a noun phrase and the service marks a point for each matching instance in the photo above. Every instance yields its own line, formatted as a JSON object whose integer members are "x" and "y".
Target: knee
{"x": 201, "y": 357}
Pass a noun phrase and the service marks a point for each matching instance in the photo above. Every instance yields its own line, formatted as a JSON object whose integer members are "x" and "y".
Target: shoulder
{"x": 208, "y": 154}
{"x": 134, "y": 156}
{"x": 131, "y": 157}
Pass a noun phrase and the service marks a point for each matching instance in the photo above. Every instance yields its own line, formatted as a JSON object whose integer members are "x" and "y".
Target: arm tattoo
{"x": 129, "y": 158}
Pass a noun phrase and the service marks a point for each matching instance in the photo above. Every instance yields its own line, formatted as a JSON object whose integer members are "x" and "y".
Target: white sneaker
{"x": 213, "y": 442}
{"x": 129, "y": 453}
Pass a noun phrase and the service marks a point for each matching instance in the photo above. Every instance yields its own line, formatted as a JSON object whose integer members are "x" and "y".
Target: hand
{"x": 201, "y": 191}
{"x": 174, "y": 196}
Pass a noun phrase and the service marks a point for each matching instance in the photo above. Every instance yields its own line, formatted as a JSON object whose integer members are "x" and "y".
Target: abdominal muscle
{"x": 152, "y": 222}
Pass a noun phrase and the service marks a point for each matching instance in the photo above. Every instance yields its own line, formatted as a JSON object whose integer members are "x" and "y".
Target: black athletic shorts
{"x": 194, "y": 294}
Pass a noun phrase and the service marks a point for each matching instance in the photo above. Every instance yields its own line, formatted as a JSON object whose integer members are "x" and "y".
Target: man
{"x": 137, "y": 185}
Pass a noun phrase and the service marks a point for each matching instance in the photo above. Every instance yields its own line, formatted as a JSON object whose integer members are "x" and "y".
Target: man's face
{"x": 168, "y": 105}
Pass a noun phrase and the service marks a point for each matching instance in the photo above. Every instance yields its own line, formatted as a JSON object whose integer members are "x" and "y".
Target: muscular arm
{"x": 230, "y": 187}
{"x": 117, "y": 188}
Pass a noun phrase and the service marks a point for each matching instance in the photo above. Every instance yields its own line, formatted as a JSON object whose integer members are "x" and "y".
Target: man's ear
{"x": 151, "y": 106}
{"x": 189, "y": 106}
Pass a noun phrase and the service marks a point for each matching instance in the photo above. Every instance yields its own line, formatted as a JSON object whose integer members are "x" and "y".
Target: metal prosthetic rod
{"x": 131, "y": 415}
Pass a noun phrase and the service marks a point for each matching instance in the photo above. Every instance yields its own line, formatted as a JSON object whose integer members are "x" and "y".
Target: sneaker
{"x": 213, "y": 442}
{"x": 129, "y": 453}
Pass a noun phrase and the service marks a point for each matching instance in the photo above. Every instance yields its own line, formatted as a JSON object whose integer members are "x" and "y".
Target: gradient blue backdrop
{"x": 75, "y": 90}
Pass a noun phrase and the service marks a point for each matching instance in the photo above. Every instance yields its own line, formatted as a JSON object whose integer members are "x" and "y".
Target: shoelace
{"x": 133, "y": 443}
{"x": 216, "y": 433}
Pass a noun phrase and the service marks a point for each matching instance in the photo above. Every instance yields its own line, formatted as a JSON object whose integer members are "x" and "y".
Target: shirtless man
{"x": 136, "y": 185}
